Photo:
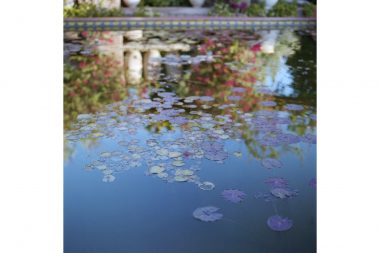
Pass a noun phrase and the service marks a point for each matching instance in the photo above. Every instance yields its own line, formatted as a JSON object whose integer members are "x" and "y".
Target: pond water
{"x": 201, "y": 141}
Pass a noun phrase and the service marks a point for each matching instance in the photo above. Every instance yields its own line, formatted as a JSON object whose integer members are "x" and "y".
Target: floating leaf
{"x": 108, "y": 178}
{"x": 294, "y": 107}
{"x": 162, "y": 175}
{"x": 207, "y": 186}
{"x": 234, "y": 196}
{"x": 185, "y": 172}
{"x": 136, "y": 156}
{"x": 216, "y": 155}
{"x": 101, "y": 167}
{"x": 206, "y": 98}
{"x": 178, "y": 163}
{"x": 271, "y": 163}
{"x": 84, "y": 117}
{"x": 268, "y": 103}
{"x": 309, "y": 138}
{"x": 238, "y": 89}
{"x": 105, "y": 154}
{"x": 156, "y": 169}
{"x": 224, "y": 136}
{"x": 219, "y": 131}
{"x": 181, "y": 178}
{"x": 207, "y": 213}
{"x": 278, "y": 223}
{"x": 282, "y": 193}
{"x": 107, "y": 172}
{"x": 234, "y": 98}
{"x": 174, "y": 154}
{"x": 162, "y": 152}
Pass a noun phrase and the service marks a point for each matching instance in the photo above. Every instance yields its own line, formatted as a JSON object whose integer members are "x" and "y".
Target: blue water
{"x": 139, "y": 212}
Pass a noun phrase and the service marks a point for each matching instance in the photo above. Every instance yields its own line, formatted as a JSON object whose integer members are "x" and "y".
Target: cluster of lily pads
{"x": 201, "y": 134}
{"x": 184, "y": 132}
{"x": 279, "y": 189}
{"x": 275, "y": 222}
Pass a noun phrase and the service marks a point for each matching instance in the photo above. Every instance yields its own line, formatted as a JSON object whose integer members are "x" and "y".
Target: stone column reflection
{"x": 152, "y": 65}
{"x": 133, "y": 67}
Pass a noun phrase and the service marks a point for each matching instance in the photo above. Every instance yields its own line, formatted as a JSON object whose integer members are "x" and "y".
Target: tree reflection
{"x": 239, "y": 71}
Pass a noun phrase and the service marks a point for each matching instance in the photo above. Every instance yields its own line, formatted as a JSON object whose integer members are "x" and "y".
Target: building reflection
{"x": 130, "y": 64}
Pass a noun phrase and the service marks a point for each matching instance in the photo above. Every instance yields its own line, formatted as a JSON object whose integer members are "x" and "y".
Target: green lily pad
{"x": 184, "y": 172}
{"x": 180, "y": 178}
{"x": 162, "y": 175}
{"x": 174, "y": 154}
{"x": 156, "y": 169}
{"x": 136, "y": 156}
{"x": 162, "y": 152}
{"x": 219, "y": 131}
{"x": 178, "y": 163}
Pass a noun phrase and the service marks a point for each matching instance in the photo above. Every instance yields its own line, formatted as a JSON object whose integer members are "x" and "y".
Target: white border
{"x": 31, "y": 46}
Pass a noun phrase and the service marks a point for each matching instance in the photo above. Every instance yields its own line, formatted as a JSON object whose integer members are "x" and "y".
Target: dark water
{"x": 143, "y": 134}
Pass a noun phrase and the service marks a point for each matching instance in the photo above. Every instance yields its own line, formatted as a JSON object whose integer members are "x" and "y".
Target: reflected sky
{"x": 204, "y": 140}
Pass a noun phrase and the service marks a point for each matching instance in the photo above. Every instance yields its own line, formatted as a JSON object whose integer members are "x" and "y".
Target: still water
{"x": 201, "y": 141}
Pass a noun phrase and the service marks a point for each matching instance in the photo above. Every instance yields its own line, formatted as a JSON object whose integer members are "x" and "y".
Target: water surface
{"x": 157, "y": 127}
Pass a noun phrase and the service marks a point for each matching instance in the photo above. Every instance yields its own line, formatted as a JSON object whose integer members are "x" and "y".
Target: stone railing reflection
{"x": 230, "y": 77}
{"x": 142, "y": 60}
{"x": 99, "y": 66}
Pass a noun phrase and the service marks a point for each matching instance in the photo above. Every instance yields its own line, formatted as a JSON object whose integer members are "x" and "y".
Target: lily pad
{"x": 156, "y": 169}
{"x": 107, "y": 172}
{"x": 271, "y": 163}
{"x": 234, "y": 98}
{"x": 174, "y": 154}
{"x": 238, "y": 89}
{"x": 268, "y": 103}
{"x": 207, "y": 213}
{"x": 136, "y": 156}
{"x": 178, "y": 163}
{"x": 278, "y": 223}
{"x": 206, "y": 186}
{"x": 224, "y": 136}
{"x": 184, "y": 172}
{"x": 294, "y": 107}
{"x": 282, "y": 193}
{"x": 206, "y": 98}
{"x": 108, "y": 178}
{"x": 235, "y": 196}
{"x": 309, "y": 138}
{"x": 162, "y": 152}
{"x": 105, "y": 154}
{"x": 101, "y": 167}
{"x": 162, "y": 175}
{"x": 216, "y": 155}
{"x": 181, "y": 178}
